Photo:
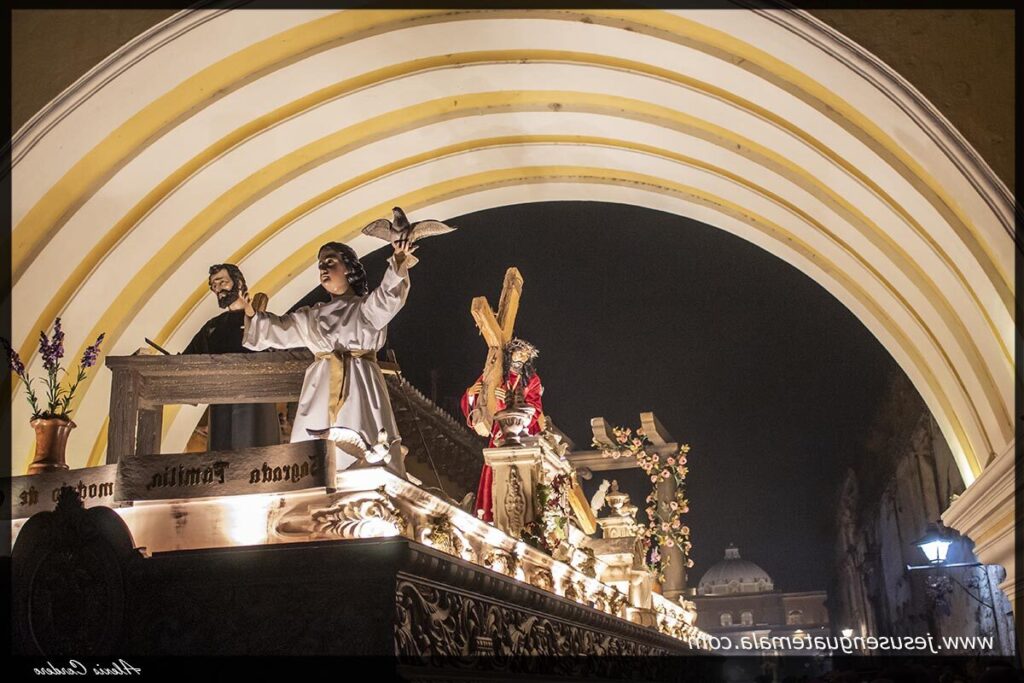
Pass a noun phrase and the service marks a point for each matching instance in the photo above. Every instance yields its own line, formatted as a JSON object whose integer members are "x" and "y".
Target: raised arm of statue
{"x": 383, "y": 303}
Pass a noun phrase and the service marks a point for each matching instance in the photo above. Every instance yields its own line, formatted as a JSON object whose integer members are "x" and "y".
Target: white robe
{"x": 347, "y": 322}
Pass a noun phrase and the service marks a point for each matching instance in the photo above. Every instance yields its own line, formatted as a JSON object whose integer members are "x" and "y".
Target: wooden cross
{"x": 497, "y": 332}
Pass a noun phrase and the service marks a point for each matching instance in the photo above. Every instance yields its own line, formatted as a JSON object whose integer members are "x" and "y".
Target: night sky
{"x": 771, "y": 380}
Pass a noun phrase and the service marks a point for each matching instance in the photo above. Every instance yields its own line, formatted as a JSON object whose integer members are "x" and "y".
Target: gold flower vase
{"x": 51, "y": 441}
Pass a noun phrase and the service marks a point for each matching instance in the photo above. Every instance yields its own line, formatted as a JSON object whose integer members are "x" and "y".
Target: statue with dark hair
{"x": 520, "y": 376}
{"x": 233, "y": 425}
{"x": 228, "y": 296}
{"x": 355, "y": 273}
{"x": 344, "y": 397}
{"x": 522, "y": 364}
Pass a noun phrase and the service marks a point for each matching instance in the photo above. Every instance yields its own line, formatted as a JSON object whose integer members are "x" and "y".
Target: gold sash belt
{"x": 339, "y": 361}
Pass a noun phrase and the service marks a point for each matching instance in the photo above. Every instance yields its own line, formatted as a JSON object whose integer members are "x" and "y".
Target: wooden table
{"x": 142, "y": 385}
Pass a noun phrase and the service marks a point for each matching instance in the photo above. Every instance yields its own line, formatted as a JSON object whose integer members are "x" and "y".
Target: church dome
{"x": 734, "y": 575}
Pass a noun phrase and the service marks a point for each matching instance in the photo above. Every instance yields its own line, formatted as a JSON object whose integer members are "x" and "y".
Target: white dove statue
{"x": 391, "y": 231}
{"x": 597, "y": 502}
{"x": 350, "y": 442}
{"x": 380, "y": 451}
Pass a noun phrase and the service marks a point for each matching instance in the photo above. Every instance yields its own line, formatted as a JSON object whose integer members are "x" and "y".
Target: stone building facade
{"x": 906, "y": 478}
{"x": 737, "y": 598}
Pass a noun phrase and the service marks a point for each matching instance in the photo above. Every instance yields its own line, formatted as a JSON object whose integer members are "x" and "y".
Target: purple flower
{"x": 44, "y": 351}
{"x": 14, "y": 359}
{"x": 89, "y": 357}
{"x": 57, "y": 345}
{"x": 52, "y": 350}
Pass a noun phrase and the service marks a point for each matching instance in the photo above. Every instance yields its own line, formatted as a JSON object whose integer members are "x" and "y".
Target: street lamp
{"x": 934, "y": 544}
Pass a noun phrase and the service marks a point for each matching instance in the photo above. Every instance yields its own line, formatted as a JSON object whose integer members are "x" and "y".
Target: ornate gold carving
{"x": 588, "y": 563}
{"x": 434, "y": 622}
{"x": 562, "y": 551}
{"x": 515, "y": 502}
{"x": 617, "y": 603}
{"x": 541, "y": 578}
{"x": 571, "y": 590}
{"x": 501, "y": 561}
{"x": 442, "y": 535}
{"x": 363, "y": 514}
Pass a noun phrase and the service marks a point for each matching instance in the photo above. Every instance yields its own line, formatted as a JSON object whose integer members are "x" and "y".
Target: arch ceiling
{"x": 253, "y": 136}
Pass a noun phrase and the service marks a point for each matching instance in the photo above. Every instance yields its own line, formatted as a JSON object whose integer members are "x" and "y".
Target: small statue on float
{"x": 344, "y": 396}
{"x": 233, "y": 426}
{"x": 520, "y": 381}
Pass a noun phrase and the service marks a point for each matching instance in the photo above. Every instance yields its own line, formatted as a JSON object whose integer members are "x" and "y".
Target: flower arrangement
{"x": 51, "y": 349}
{"x": 664, "y": 528}
{"x": 552, "y": 528}
{"x": 626, "y": 443}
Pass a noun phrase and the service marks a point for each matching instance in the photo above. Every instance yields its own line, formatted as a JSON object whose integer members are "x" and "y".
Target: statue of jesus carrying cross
{"x": 508, "y": 370}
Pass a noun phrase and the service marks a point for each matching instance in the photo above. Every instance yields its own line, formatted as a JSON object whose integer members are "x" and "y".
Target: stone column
{"x": 675, "y": 574}
{"x": 664, "y": 446}
{"x": 984, "y": 513}
{"x": 517, "y": 471}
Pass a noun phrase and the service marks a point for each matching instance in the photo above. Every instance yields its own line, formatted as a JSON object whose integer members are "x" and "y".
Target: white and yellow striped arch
{"x": 253, "y": 136}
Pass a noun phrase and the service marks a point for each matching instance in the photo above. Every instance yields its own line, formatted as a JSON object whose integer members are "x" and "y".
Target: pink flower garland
{"x": 664, "y": 528}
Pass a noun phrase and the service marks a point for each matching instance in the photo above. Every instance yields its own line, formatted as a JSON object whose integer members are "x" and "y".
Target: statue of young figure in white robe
{"x": 343, "y": 396}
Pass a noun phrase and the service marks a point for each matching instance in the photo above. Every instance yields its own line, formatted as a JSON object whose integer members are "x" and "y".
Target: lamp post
{"x": 935, "y": 546}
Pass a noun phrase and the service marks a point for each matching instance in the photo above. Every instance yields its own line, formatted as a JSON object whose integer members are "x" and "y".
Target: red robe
{"x": 532, "y": 394}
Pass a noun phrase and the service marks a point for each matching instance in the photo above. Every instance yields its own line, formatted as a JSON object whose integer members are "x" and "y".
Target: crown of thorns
{"x": 517, "y": 344}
